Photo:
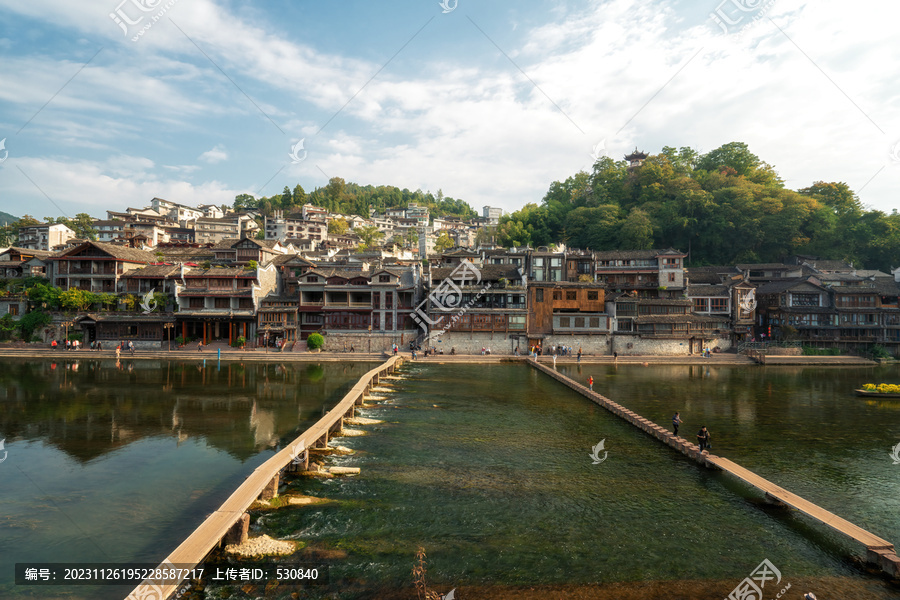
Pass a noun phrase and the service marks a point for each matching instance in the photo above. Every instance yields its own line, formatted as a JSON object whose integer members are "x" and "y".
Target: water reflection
{"x": 88, "y": 408}
{"x": 117, "y": 461}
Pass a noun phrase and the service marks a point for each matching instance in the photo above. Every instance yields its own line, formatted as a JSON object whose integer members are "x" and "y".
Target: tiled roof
{"x": 226, "y": 243}
{"x": 205, "y": 292}
{"x": 488, "y": 273}
{"x": 629, "y": 254}
{"x": 776, "y": 287}
{"x": 708, "y": 290}
{"x": 220, "y": 272}
{"x": 295, "y": 259}
{"x": 155, "y": 271}
{"x": 116, "y": 251}
{"x": 710, "y": 274}
{"x": 767, "y": 267}
{"x": 28, "y": 251}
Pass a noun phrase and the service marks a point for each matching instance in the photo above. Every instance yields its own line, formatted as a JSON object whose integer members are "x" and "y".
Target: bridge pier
{"x": 770, "y": 499}
{"x": 271, "y": 490}
{"x": 885, "y": 559}
{"x": 239, "y": 531}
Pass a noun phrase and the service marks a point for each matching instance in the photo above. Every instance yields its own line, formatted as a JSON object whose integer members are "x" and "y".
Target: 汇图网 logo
{"x": 595, "y": 452}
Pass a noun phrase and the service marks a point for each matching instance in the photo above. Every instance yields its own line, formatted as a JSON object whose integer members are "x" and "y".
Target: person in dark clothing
{"x": 703, "y": 439}
{"x": 676, "y": 421}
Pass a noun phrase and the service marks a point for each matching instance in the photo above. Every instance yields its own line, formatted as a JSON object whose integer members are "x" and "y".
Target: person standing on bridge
{"x": 703, "y": 439}
{"x": 676, "y": 421}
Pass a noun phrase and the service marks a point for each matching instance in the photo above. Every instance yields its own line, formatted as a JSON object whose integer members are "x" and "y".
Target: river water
{"x": 119, "y": 463}
{"x": 488, "y": 468}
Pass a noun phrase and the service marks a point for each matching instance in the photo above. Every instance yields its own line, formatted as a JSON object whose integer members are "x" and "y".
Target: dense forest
{"x": 354, "y": 199}
{"x": 724, "y": 207}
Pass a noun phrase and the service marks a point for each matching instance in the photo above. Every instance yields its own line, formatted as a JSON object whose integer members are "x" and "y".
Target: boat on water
{"x": 875, "y": 394}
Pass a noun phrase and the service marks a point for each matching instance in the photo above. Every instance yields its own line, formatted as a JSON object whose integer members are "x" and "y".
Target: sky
{"x": 105, "y": 104}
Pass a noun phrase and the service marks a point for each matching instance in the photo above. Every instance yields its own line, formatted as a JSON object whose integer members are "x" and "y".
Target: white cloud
{"x": 216, "y": 155}
{"x": 479, "y": 129}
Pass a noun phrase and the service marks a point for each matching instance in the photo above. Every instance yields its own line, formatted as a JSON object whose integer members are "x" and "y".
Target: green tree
{"x": 43, "y": 294}
{"x": 75, "y": 299}
{"x": 31, "y": 322}
{"x": 443, "y": 242}
{"x": 735, "y": 155}
{"x": 299, "y": 195}
{"x": 412, "y": 236}
{"x": 334, "y": 194}
{"x": 637, "y": 231}
{"x": 511, "y": 234}
{"x": 315, "y": 341}
{"x": 367, "y": 235}
{"x": 338, "y": 226}
{"x": 244, "y": 201}
{"x": 83, "y": 226}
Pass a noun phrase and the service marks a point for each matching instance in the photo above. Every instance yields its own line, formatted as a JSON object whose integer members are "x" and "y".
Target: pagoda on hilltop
{"x": 636, "y": 158}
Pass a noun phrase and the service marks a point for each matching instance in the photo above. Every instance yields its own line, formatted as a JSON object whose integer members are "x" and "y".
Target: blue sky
{"x": 489, "y": 102}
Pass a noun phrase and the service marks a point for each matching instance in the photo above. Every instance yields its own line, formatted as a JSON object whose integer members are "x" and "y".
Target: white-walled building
{"x": 44, "y": 237}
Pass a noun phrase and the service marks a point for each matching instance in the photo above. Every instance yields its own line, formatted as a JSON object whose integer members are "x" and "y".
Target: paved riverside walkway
{"x": 879, "y": 551}
{"x": 211, "y": 352}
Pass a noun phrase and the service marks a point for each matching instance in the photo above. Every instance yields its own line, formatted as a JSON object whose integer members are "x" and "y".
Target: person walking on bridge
{"x": 703, "y": 439}
{"x": 676, "y": 421}
{"x": 591, "y": 382}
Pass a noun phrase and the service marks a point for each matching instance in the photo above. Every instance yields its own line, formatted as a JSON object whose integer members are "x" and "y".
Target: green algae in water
{"x": 498, "y": 486}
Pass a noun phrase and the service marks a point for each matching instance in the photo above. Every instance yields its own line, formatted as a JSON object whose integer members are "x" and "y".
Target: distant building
{"x": 492, "y": 214}
{"x": 44, "y": 237}
{"x": 636, "y": 159}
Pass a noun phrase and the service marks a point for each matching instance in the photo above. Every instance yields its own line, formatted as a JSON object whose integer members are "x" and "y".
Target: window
{"x": 223, "y": 302}
{"x": 555, "y": 262}
{"x": 719, "y": 304}
{"x": 595, "y": 322}
{"x": 312, "y": 278}
{"x": 482, "y": 321}
{"x": 539, "y": 295}
{"x": 571, "y": 295}
{"x": 805, "y": 300}
{"x": 197, "y": 303}
{"x": 557, "y": 295}
{"x": 516, "y": 322}
{"x": 384, "y": 278}
{"x": 565, "y": 321}
{"x": 579, "y": 322}
{"x": 671, "y": 277}
{"x": 592, "y": 295}
{"x": 701, "y": 304}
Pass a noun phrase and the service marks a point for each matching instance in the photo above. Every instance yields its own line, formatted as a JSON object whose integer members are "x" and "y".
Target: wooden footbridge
{"x": 879, "y": 552}
{"x": 231, "y": 521}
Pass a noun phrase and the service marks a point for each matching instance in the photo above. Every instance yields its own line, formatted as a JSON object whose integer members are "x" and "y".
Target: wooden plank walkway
{"x": 841, "y": 525}
{"x": 879, "y": 551}
{"x": 207, "y": 536}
